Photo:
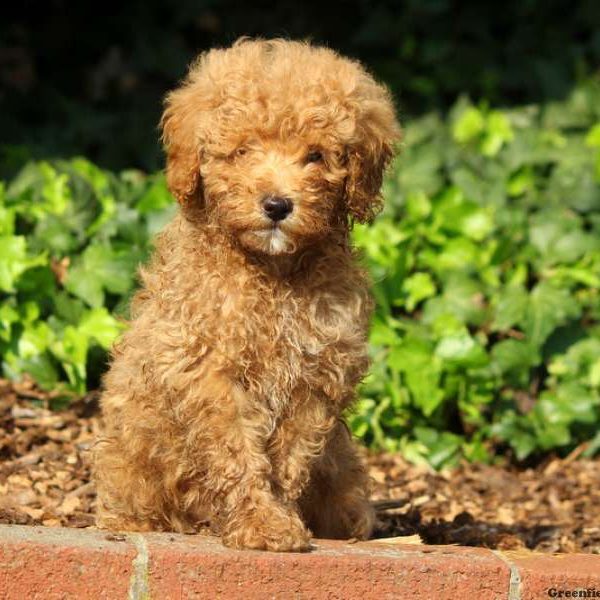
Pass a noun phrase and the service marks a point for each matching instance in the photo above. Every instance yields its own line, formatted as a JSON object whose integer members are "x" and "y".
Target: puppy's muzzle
{"x": 277, "y": 208}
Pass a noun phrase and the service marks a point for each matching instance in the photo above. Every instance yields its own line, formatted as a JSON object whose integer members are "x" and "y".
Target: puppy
{"x": 223, "y": 404}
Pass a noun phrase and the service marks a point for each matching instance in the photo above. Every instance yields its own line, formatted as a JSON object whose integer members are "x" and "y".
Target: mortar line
{"x": 138, "y": 583}
{"x": 514, "y": 584}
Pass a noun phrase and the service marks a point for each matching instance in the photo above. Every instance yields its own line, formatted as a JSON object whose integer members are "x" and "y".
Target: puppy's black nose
{"x": 276, "y": 207}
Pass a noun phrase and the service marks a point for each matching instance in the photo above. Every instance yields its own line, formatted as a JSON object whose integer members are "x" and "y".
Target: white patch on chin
{"x": 274, "y": 240}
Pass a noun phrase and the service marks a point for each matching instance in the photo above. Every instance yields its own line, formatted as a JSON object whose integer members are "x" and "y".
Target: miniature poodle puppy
{"x": 223, "y": 404}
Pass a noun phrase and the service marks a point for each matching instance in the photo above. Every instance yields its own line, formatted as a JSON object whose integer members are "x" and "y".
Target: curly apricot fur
{"x": 223, "y": 402}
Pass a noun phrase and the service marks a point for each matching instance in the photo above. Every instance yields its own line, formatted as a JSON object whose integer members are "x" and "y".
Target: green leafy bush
{"x": 71, "y": 237}
{"x": 486, "y": 268}
{"x": 487, "y": 278}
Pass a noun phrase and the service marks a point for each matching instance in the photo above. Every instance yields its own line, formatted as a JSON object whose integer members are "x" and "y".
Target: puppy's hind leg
{"x": 336, "y": 504}
{"x": 317, "y": 467}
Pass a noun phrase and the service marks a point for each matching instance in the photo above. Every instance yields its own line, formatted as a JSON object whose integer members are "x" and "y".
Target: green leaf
{"x": 413, "y": 354}
{"x": 418, "y": 205}
{"x": 443, "y": 448}
{"x": 101, "y": 326}
{"x": 382, "y": 333}
{"x": 67, "y": 308}
{"x": 461, "y": 299}
{"x": 8, "y": 317}
{"x": 461, "y": 350}
{"x": 521, "y": 182}
{"x": 7, "y": 217}
{"x": 510, "y": 308}
{"x": 456, "y": 214}
{"x": 422, "y": 372}
{"x": 548, "y": 307}
{"x": 515, "y": 355}
{"x": 498, "y": 132}
{"x": 55, "y": 189}
{"x": 101, "y": 269}
{"x": 459, "y": 254}
{"x": 38, "y": 282}
{"x": 517, "y": 431}
{"x": 35, "y": 339}
{"x": 592, "y": 139}
{"x": 156, "y": 198}
{"x": 71, "y": 350}
{"x": 581, "y": 362}
{"x": 469, "y": 125}
{"x": 40, "y": 367}
{"x": 418, "y": 287}
{"x": 14, "y": 261}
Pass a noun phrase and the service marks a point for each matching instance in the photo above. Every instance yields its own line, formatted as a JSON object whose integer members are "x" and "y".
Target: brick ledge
{"x": 47, "y": 563}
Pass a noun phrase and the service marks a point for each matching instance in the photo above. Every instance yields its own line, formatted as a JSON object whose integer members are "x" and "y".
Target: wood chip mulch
{"x": 554, "y": 507}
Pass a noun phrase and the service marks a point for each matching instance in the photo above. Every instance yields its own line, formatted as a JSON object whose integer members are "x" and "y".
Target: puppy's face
{"x": 275, "y": 196}
{"x": 278, "y": 142}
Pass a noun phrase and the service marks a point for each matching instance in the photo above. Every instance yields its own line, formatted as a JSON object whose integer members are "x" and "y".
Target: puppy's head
{"x": 278, "y": 142}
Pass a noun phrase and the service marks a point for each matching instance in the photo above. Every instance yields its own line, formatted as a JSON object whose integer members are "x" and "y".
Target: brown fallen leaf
{"x": 34, "y": 513}
{"x": 401, "y": 539}
{"x": 69, "y": 505}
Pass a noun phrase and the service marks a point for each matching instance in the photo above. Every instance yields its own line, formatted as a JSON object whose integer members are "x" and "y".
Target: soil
{"x": 554, "y": 507}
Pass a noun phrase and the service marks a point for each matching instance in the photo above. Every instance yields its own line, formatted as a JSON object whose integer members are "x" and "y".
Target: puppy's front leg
{"x": 318, "y": 467}
{"x": 238, "y": 474}
{"x": 298, "y": 442}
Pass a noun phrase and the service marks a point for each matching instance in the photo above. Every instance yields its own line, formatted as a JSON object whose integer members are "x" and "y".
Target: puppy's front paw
{"x": 276, "y": 531}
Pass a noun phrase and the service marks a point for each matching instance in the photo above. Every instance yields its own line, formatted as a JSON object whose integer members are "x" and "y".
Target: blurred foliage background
{"x": 486, "y": 260}
{"x": 79, "y": 80}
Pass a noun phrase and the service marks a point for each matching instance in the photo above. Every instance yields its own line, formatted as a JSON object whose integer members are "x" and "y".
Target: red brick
{"x": 541, "y": 572}
{"x": 199, "y": 567}
{"x": 45, "y": 563}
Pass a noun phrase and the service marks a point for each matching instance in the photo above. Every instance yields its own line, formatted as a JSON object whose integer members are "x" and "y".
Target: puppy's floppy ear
{"x": 367, "y": 158}
{"x": 181, "y": 140}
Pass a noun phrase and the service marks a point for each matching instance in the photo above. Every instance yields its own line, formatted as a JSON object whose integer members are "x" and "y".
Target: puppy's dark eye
{"x": 314, "y": 156}
{"x": 241, "y": 151}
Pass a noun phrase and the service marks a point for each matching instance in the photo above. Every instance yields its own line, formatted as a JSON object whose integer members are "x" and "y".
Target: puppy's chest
{"x": 317, "y": 342}
{"x": 313, "y": 330}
